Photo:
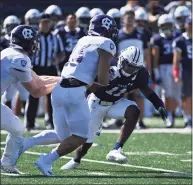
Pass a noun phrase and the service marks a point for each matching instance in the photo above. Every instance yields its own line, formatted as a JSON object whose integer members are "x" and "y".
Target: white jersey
{"x": 83, "y": 62}
{"x": 15, "y": 67}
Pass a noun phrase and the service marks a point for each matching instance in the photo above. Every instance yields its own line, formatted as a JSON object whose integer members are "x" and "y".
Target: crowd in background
{"x": 153, "y": 28}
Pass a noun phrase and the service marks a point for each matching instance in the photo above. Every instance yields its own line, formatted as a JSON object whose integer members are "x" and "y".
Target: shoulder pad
{"x": 109, "y": 46}
{"x": 22, "y": 64}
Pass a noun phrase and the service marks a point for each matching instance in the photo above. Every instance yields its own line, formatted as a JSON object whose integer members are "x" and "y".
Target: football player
{"x": 162, "y": 55}
{"x": 91, "y": 56}
{"x": 16, "y": 67}
{"x": 180, "y": 14}
{"x": 183, "y": 55}
{"x": 116, "y": 15}
{"x": 128, "y": 75}
{"x": 70, "y": 34}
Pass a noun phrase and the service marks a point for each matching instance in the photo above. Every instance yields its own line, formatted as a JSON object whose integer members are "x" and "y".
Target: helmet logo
{"x": 106, "y": 22}
{"x": 27, "y": 33}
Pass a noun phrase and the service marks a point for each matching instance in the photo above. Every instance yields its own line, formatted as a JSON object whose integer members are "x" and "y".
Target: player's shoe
{"x": 9, "y": 169}
{"x": 188, "y": 124}
{"x": 44, "y": 167}
{"x": 70, "y": 165}
{"x": 116, "y": 156}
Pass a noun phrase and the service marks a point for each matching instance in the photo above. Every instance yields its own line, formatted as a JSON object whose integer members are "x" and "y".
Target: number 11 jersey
{"x": 83, "y": 62}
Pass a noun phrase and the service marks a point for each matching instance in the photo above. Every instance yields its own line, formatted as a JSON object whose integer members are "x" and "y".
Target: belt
{"x": 71, "y": 82}
{"x": 105, "y": 103}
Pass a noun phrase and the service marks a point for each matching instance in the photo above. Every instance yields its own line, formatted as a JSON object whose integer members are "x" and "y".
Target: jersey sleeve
{"x": 109, "y": 46}
{"x": 22, "y": 64}
{"x": 22, "y": 76}
{"x": 177, "y": 44}
{"x": 154, "y": 42}
{"x": 143, "y": 78}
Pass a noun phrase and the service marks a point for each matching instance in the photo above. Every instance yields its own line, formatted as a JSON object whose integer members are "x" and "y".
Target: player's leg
{"x": 98, "y": 112}
{"x": 123, "y": 109}
{"x": 187, "y": 98}
{"x": 77, "y": 117}
{"x": 15, "y": 127}
{"x": 169, "y": 91}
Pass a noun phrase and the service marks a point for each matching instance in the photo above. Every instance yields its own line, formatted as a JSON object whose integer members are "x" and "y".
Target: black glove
{"x": 163, "y": 113}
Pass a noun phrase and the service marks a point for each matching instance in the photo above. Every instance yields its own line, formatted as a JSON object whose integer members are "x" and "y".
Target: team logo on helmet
{"x": 27, "y": 33}
{"x": 106, "y": 22}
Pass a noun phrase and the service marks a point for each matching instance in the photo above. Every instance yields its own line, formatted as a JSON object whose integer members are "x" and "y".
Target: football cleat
{"x": 9, "y": 169}
{"x": 45, "y": 168}
{"x": 116, "y": 156}
{"x": 70, "y": 165}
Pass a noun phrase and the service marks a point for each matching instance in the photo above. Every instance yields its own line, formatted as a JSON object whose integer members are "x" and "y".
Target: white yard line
{"x": 97, "y": 173}
{"x": 10, "y": 174}
{"x": 150, "y": 130}
{"x": 153, "y": 153}
{"x": 116, "y": 164}
{"x": 186, "y": 160}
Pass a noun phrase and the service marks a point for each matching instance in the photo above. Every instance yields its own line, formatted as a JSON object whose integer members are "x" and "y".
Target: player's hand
{"x": 178, "y": 80}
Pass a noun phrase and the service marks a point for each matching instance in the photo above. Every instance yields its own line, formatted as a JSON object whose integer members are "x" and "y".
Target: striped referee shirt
{"x": 50, "y": 47}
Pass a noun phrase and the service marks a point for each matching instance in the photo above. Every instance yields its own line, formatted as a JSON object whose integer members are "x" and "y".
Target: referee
{"x": 44, "y": 64}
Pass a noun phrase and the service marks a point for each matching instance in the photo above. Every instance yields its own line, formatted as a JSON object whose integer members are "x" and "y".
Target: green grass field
{"x": 154, "y": 158}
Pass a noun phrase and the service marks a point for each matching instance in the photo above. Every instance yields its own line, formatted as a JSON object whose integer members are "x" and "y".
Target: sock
{"x": 187, "y": 117}
{"x": 118, "y": 145}
{"x": 52, "y": 156}
{"x": 46, "y": 137}
{"x": 170, "y": 117}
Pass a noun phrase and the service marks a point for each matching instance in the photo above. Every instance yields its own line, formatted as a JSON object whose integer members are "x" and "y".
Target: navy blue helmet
{"x": 25, "y": 37}
{"x": 103, "y": 25}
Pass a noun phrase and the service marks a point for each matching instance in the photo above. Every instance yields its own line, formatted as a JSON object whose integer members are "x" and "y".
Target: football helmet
{"x": 116, "y": 15}
{"x": 180, "y": 14}
{"x": 54, "y": 10}
{"x": 26, "y": 38}
{"x": 103, "y": 25}
{"x": 141, "y": 18}
{"x": 83, "y": 16}
{"x": 32, "y": 18}
{"x": 130, "y": 61}
{"x": 165, "y": 24}
{"x": 96, "y": 11}
{"x": 9, "y": 23}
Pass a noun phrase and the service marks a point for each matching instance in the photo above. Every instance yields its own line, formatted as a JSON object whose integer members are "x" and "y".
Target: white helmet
{"x": 32, "y": 13}
{"x": 125, "y": 9}
{"x": 114, "y": 13}
{"x": 96, "y": 11}
{"x": 83, "y": 12}
{"x": 10, "y": 22}
{"x": 54, "y": 10}
{"x": 130, "y": 60}
{"x": 11, "y": 19}
{"x": 141, "y": 14}
{"x": 165, "y": 24}
{"x": 181, "y": 11}
{"x": 32, "y": 18}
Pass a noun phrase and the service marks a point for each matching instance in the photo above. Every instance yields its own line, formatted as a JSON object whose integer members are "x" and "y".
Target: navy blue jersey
{"x": 184, "y": 44}
{"x": 165, "y": 48}
{"x": 147, "y": 32}
{"x": 69, "y": 39}
{"x": 119, "y": 84}
{"x": 135, "y": 38}
{"x": 4, "y": 42}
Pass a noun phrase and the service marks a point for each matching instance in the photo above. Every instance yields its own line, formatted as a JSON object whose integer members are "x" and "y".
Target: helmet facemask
{"x": 166, "y": 29}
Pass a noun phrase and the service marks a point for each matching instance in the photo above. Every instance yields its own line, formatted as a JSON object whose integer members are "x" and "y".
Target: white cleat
{"x": 116, "y": 156}
{"x": 45, "y": 168}
{"x": 70, "y": 165}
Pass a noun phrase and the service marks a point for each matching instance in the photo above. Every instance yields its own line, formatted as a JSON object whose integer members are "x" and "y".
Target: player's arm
{"x": 176, "y": 61}
{"x": 142, "y": 81}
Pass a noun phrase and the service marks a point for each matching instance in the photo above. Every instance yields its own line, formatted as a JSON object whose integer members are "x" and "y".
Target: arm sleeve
{"x": 143, "y": 78}
{"x": 155, "y": 100}
{"x": 109, "y": 46}
{"x": 22, "y": 76}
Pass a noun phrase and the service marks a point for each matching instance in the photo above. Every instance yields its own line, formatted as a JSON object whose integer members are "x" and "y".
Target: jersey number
{"x": 167, "y": 49}
{"x": 77, "y": 56}
{"x": 116, "y": 91}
